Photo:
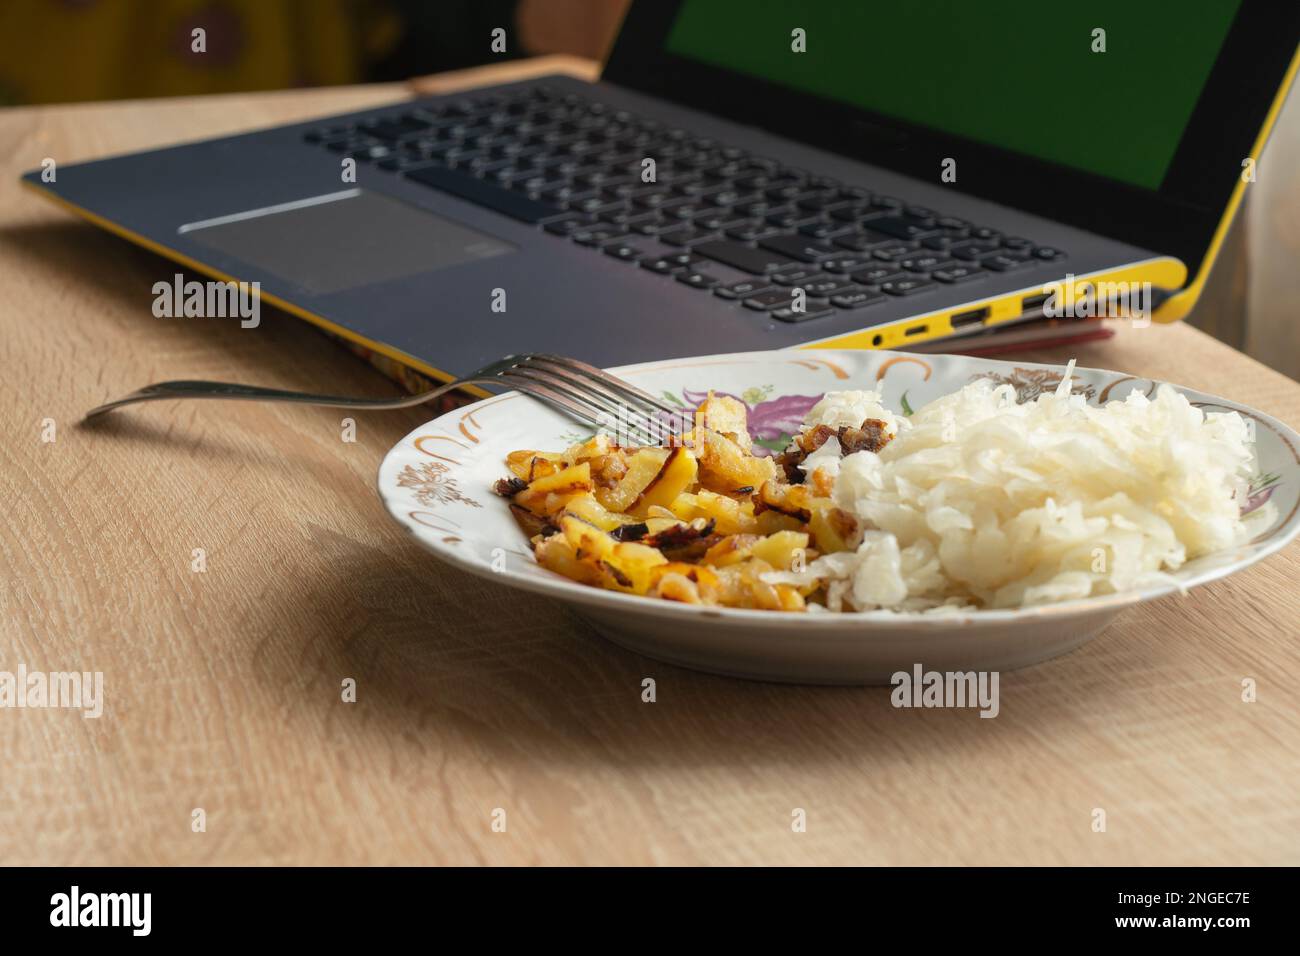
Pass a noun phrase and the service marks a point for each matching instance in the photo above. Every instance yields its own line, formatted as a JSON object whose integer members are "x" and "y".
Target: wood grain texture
{"x": 223, "y": 688}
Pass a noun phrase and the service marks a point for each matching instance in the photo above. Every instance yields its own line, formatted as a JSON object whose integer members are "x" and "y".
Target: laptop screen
{"x": 1106, "y": 87}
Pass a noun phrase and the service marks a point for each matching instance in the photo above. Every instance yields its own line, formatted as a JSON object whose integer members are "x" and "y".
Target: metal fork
{"x": 581, "y": 390}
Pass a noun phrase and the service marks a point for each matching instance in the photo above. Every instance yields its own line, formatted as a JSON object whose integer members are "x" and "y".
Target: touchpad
{"x": 344, "y": 239}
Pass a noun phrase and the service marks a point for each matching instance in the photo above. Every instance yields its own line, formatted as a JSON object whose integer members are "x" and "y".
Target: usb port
{"x": 1031, "y": 303}
{"x": 917, "y": 330}
{"x": 973, "y": 317}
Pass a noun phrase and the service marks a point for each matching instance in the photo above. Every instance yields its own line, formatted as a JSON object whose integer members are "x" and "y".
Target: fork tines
{"x": 592, "y": 394}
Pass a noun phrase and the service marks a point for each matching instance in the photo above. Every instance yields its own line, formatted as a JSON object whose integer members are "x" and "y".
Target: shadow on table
{"x": 114, "y": 300}
{"x": 439, "y": 654}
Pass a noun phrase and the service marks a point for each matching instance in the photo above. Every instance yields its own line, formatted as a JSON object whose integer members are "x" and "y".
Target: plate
{"x": 436, "y": 482}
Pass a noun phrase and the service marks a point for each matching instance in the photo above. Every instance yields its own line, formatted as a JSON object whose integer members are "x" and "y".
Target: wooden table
{"x": 223, "y": 687}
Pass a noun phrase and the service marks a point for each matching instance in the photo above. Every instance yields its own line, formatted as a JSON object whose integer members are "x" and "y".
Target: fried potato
{"x": 549, "y": 494}
{"x": 726, "y": 416}
{"x": 675, "y": 475}
{"x": 698, "y": 522}
{"x": 726, "y": 467}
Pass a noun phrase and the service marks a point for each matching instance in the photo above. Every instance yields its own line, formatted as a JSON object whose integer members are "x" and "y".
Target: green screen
{"x": 1018, "y": 74}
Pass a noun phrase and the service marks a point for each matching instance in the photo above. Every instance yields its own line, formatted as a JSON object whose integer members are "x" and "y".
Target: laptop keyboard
{"x": 572, "y": 166}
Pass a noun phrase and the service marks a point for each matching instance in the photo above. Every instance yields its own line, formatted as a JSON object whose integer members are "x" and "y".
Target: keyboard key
{"x": 856, "y": 299}
{"x": 798, "y": 276}
{"x": 811, "y": 311}
{"x": 771, "y": 299}
{"x": 533, "y": 183}
{"x": 653, "y": 225}
{"x": 1004, "y": 263}
{"x": 461, "y": 157}
{"x": 753, "y": 232}
{"x": 1048, "y": 254}
{"x": 814, "y": 203}
{"x": 894, "y": 250}
{"x": 596, "y": 235}
{"x": 784, "y": 192}
{"x": 790, "y": 219}
{"x": 797, "y": 247}
{"x": 619, "y": 190}
{"x": 753, "y": 208}
{"x": 485, "y": 194}
{"x": 596, "y": 206}
{"x": 705, "y": 188}
{"x": 954, "y": 272}
{"x": 742, "y": 289}
{"x": 402, "y": 164}
{"x": 627, "y": 218}
{"x": 368, "y": 153}
{"x": 719, "y": 223}
{"x": 567, "y": 193}
{"x": 754, "y": 261}
{"x": 824, "y": 230}
{"x": 921, "y": 263}
{"x": 686, "y": 236}
{"x": 659, "y": 265}
{"x": 873, "y": 275}
{"x": 825, "y": 287}
{"x": 730, "y": 197}
{"x": 687, "y": 211}
{"x": 697, "y": 280}
{"x": 851, "y": 212}
{"x": 684, "y": 257}
{"x": 660, "y": 201}
{"x": 906, "y": 285}
{"x": 858, "y": 242}
{"x": 599, "y": 179}
{"x": 621, "y": 250}
{"x": 669, "y": 263}
{"x": 904, "y": 227}
{"x": 844, "y": 263}
{"x": 972, "y": 251}
{"x": 568, "y": 225}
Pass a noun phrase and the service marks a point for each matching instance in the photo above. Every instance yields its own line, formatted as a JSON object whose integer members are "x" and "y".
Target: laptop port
{"x": 1032, "y": 303}
{"x": 973, "y": 317}
{"x": 917, "y": 330}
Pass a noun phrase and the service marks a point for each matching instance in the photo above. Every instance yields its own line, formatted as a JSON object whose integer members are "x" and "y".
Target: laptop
{"x": 745, "y": 175}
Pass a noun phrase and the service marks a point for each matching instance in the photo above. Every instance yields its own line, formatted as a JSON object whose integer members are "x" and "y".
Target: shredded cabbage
{"x": 980, "y": 501}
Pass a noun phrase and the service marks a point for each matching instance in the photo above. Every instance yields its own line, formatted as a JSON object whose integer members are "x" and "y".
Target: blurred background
{"x": 59, "y": 51}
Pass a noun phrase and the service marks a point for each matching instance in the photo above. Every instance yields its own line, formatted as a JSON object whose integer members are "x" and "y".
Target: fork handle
{"x": 165, "y": 391}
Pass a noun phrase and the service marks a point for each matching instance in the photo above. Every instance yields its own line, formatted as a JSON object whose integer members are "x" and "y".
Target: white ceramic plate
{"x": 437, "y": 483}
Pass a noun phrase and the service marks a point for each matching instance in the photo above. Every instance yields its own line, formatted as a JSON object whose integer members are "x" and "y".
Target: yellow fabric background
{"x": 127, "y": 50}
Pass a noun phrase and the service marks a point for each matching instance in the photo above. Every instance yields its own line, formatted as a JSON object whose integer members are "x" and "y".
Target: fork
{"x": 583, "y": 391}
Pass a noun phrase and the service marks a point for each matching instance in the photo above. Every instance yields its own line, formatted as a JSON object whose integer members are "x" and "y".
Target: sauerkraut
{"x": 982, "y": 501}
